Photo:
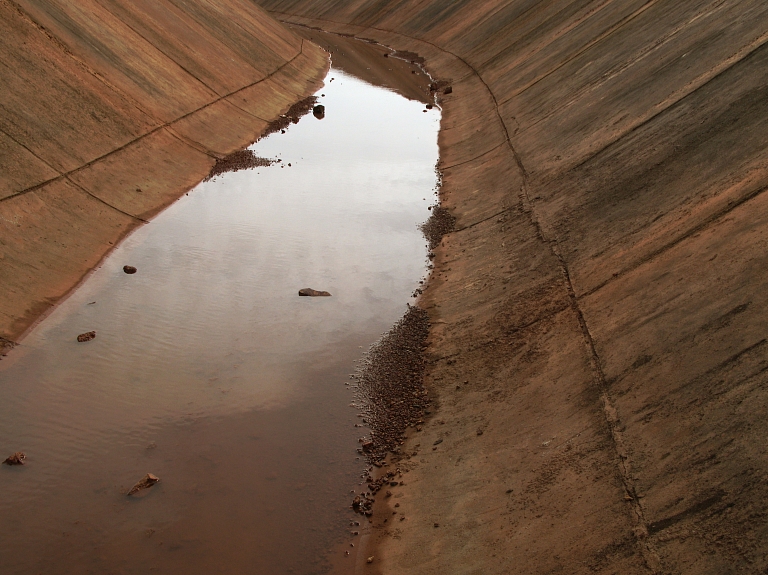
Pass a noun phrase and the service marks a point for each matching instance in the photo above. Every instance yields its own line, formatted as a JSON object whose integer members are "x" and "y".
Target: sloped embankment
{"x": 110, "y": 111}
{"x": 597, "y": 348}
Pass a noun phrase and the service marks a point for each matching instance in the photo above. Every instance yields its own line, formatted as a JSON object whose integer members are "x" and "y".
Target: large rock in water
{"x": 313, "y": 292}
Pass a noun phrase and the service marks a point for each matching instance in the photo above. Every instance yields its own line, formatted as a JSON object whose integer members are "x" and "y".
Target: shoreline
{"x": 119, "y": 181}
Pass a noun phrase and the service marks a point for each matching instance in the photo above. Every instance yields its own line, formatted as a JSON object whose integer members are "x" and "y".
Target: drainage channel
{"x": 210, "y": 372}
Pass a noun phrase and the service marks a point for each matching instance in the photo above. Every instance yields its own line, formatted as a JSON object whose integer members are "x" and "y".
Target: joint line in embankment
{"x": 156, "y": 47}
{"x": 477, "y": 223}
{"x": 106, "y": 203}
{"x": 701, "y": 226}
{"x": 589, "y": 45}
{"x": 679, "y": 95}
{"x": 648, "y": 554}
{"x": 156, "y": 129}
{"x": 457, "y": 164}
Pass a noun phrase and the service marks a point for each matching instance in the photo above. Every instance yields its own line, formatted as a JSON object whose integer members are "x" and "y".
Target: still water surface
{"x": 209, "y": 371}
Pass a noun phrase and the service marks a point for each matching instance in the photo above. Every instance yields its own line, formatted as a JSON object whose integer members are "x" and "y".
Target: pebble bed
{"x": 391, "y": 391}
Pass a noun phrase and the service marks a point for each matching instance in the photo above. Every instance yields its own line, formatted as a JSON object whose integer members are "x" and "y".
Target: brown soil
{"x": 236, "y": 161}
{"x": 292, "y": 115}
{"x": 596, "y": 352}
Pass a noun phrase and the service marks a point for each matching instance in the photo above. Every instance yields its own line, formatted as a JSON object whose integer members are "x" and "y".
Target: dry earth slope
{"x": 110, "y": 110}
{"x": 599, "y": 349}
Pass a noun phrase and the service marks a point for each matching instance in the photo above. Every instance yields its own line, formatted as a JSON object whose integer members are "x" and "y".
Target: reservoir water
{"x": 209, "y": 371}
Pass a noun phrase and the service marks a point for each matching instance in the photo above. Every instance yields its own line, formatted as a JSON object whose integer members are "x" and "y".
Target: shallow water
{"x": 209, "y": 371}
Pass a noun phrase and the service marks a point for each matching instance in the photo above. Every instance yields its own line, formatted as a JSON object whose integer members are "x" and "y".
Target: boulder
{"x": 129, "y": 269}
{"x": 319, "y": 111}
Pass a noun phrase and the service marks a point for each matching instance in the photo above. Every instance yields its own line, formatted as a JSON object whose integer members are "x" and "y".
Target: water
{"x": 209, "y": 371}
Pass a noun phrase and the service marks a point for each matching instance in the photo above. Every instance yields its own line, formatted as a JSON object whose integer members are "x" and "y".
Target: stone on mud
{"x": 16, "y": 459}
{"x": 144, "y": 483}
{"x": 313, "y": 292}
{"x": 87, "y": 336}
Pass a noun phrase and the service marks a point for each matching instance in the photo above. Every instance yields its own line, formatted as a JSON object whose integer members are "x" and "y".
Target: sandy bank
{"x": 112, "y": 110}
{"x": 597, "y": 350}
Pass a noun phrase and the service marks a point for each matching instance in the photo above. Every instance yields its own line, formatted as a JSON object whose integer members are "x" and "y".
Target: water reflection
{"x": 209, "y": 371}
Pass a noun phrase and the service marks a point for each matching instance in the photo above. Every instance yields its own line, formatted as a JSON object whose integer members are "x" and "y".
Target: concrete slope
{"x": 110, "y": 110}
{"x": 598, "y": 347}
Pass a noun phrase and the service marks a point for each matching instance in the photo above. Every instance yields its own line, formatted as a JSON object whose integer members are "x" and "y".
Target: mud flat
{"x": 596, "y": 357}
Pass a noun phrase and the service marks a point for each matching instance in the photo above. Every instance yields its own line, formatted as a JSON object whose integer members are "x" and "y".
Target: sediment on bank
{"x": 111, "y": 112}
{"x": 390, "y": 386}
{"x": 596, "y": 347}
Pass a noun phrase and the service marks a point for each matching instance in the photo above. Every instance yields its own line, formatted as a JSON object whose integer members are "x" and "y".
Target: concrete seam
{"x": 192, "y": 143}
{"x": 680, "y": 95}
{"x": 140, "y": 35}
{"x": 477, "y": 223}
{"x": 587, "y": 47}
{"x": 152, "y": 131}
{"x": 473, "y": 159}
{"x": 30, "y": 151}
{"x": 81, "y": 188}
{"x": 704, "y": 224}
{"x": 83, "y": 65}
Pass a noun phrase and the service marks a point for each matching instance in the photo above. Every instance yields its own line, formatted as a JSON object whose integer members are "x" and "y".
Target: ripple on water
{"x": 209, "y": 371}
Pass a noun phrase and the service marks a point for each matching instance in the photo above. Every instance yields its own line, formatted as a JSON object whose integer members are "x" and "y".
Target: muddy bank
{"x": 371, "y": 61}
{"x": 110, "y": 112}
{"x": 596, "y": 348}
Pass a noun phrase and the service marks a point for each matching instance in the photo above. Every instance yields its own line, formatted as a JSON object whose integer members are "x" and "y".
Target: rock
{"x": 370, "y": 559}
{"x": 129, "y": 269}
{"x": 448, "y": 90}
{"x": 144, "y": 483}
{"x": 87, "y": 336}
{"x": 16, "y": 459}
{"x": 313, "y": 292}
{"x": 367, "y": 445}
{"x": 319, "y": 111}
